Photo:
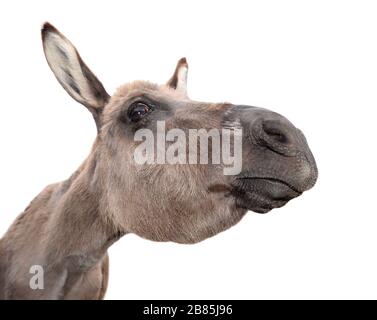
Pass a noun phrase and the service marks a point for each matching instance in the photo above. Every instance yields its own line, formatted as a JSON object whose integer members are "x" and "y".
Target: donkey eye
{"x": 138, "y": 110}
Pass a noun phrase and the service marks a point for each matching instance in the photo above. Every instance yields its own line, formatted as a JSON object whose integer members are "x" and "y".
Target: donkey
{"x": 68, "y": 227}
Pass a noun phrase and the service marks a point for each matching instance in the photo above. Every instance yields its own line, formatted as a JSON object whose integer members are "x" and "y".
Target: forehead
{"x": 144, "y": 88}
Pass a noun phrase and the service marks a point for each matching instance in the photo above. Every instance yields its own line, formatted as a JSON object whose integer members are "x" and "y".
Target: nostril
{"x": 275, "y": 132}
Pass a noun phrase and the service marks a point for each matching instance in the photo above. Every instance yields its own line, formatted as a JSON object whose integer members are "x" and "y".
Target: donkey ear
{"x": 179, "y": 79}
{"x": 72, "y": 73}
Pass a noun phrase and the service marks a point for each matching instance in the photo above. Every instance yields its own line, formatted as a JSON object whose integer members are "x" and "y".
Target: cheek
{"x": 167, "y": 202}
{"x": 183, "y": 224}
{"x": 184, "y": 215}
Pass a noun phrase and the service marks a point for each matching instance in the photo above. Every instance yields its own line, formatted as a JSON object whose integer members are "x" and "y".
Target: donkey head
{"x": 185, "y": 200}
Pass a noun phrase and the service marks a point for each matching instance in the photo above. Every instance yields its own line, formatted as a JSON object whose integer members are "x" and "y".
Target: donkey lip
{"x": 273, "y": 182}
{"x": 258, "y": 203}
{"x": 263, "y": 194}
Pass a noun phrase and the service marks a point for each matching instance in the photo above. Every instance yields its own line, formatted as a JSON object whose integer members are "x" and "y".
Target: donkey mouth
{"x": 263, "y": 194}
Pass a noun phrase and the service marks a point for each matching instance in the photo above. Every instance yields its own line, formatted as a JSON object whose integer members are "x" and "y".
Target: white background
{"x": 313, "y": 61}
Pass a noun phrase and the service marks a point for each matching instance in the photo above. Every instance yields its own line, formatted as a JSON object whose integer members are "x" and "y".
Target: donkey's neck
{"x": 78, "y": 232}
{"x": 63, "y": 230}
